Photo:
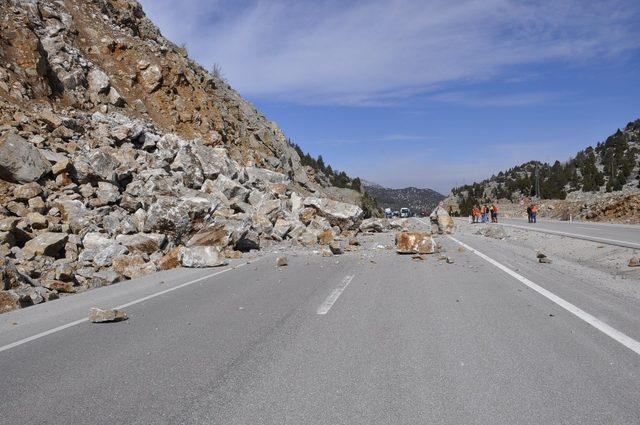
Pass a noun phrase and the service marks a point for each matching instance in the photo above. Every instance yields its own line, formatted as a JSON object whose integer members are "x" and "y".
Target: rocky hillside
{"x": 415, "y": 199}
{"x": 120, "y": 156}
{"x": 612, "y": 166}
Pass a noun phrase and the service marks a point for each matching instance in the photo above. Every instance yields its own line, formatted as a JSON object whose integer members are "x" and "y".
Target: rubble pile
{"x": 119, "y": 157}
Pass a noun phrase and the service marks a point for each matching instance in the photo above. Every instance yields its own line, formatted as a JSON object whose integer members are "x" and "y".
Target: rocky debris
{"x": 21, "y": 161}
{"x": 98, "y": 315}
{"x": 379, "y": 225}
{"x": 415, "y": 243}
{"x": 492, "y": 231}
{"x": 143, "y": 161}
{"x": 281, "y": 261}
{"x": 634, "y": 262}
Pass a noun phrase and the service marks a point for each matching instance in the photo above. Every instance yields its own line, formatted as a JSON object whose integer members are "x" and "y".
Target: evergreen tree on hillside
{"x": 592, "y": 178}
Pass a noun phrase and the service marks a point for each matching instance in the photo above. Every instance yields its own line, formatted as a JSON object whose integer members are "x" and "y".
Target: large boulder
{"x": 177, "y": 216}
{"x": 444, "y": 220}
{"x": 415, "y": 243}
{"x": 202, "y": 256}
{"x": 20, "y": 161}
{"x": 346, "y": 216}
{"x": 374, "y": 225}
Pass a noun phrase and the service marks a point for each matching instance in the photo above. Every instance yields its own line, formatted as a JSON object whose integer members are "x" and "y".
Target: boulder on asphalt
{"x": 374, "y": 225}
{"x": 281, "y": 261}
{"x": 21, "y": 162}
{"x": 97, "y": 315}
{"x": 47, "y": 243}
{"x": 346, "y": 216}
{"x": 202, "y": 256}
{"x": 444, "y": 220}
{"x": 415, "y": 243}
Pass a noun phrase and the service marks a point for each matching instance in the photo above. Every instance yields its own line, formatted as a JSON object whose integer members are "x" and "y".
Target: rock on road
{"x": 404, "y": 341}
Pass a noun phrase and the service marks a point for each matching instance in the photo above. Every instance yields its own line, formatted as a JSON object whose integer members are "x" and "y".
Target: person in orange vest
{"x": 534, "y": 213}
{"x": 476, "y": 214}
{"x": 494, "y": 213}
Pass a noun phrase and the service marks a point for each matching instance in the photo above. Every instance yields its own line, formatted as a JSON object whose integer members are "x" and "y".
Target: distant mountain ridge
{"x": 414, "y": 198}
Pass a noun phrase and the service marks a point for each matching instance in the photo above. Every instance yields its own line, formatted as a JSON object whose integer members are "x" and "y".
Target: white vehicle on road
{"x": 405, "y": 212}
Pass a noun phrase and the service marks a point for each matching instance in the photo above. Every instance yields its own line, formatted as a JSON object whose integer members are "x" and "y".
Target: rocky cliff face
{"x": 119, "y": 156}
{"x": 107, "y": 56}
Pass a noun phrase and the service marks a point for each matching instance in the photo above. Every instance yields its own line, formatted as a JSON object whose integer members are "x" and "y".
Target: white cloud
{"x": 378, "y": 52}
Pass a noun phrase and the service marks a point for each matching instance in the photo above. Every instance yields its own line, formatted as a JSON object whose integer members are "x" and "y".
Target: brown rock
{"x": 63, "y": 287}
{"x": 326, "y": 237}
{"x": 307, "y": 214}
{"x": 9, "y": 300}
{"x": 171, "y": 260}
{"x": 415, "y": 243}
{"x": 98, "y": 315}
{"x": 216, "y": 235}
{"x": 281, "y": 261}
{"x": 634, "y": 262}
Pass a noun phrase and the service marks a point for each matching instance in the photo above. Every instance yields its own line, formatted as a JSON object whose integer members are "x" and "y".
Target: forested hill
{"x": 609, "y": 166}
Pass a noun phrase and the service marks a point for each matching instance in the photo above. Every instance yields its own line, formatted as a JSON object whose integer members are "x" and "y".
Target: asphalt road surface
{"x": 364, "y": 338}
{"x": 613, "y": 234}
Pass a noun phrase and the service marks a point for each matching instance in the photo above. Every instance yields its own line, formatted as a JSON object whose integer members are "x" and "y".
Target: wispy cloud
{"x": 389, "y": 139}
{"x": 473, "y": 99}
{"x": 379, "y": 52}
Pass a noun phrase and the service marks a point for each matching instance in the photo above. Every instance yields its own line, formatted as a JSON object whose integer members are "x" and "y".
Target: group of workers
{"x": 482, "y": 214}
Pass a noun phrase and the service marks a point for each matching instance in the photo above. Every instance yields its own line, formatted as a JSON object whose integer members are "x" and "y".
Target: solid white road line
{"x": 139, "y": 300}
{"x": 334, "y": 295}
{"x": 623, "y": 339}
{"x": 616, "y": 242}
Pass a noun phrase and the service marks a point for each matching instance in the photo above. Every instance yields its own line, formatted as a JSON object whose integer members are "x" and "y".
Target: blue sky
{"x": 428, "y": 93}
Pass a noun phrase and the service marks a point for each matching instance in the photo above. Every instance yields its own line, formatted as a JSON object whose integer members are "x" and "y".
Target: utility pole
{"x": 537, "y": 183}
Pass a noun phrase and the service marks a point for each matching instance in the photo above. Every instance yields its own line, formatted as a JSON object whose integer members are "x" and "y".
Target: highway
{"x": 613, "y": 234}
{"x": 368, "y": 337}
